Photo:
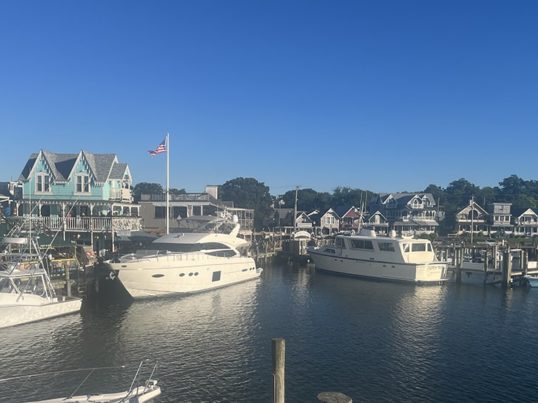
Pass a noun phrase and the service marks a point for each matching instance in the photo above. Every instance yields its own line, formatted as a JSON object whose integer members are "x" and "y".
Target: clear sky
{"x": 379, "y": 95}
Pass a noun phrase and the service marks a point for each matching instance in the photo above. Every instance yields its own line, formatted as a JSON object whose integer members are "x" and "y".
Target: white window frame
{"x": 84, "y": 184}
{"x": 40, "y": 182}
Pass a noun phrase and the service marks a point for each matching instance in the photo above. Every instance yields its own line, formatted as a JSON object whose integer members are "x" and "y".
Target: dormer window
{"x": 83, "y": 184}
{"x": 42, "y": 184}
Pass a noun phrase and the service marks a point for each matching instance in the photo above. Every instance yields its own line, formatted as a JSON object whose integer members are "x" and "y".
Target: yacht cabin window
{"x": 418, "y": 247}
{"x": 339, "y": 243}
{"x": 386, "y": 246}
{"x": 362, "y": 244}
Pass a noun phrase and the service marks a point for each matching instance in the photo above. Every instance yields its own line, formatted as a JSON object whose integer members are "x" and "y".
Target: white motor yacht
{"x": 26, "y": 293}
{"x": 207, "y": 254}
{"x": 384, "y": 258}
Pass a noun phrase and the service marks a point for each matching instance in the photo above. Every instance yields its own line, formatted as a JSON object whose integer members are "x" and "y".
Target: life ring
{"x": 111, "y": 275}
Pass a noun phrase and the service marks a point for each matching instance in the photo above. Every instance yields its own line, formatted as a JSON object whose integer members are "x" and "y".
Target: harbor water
{"x": 374, "y": 341}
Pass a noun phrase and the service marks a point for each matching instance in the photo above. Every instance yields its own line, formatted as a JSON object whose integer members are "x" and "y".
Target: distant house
{"x": 351, "y": 219}
{"x": 78, "y": 193}
{"x": 378, "y": 223}
{"x": 329, "y": 222}
{"x": 472, "y": 218}
{"x": 527, "y": 223}
{"x": 408, "y": 213}
{"x": 10, "y": 192}
{"x": 284, "y": 220}
{"x": 501, "y": 218}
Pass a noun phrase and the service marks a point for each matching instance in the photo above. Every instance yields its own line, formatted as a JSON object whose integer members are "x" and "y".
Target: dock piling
{"x": 507, "y": 269}
{"x": 279, "y": 354}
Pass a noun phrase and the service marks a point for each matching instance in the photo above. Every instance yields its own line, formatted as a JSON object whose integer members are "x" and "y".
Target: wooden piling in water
{"x": 279, "y": 354}
{"x": 507, "y": 269}
{"x": 459, "y": 260}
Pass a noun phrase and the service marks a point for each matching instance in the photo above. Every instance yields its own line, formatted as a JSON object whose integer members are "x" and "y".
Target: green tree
{"x": 249, "y": 193}
{"x": 174, "y": 191}
{"x": 146, "y": 188}
{"x": 308, "y": 200}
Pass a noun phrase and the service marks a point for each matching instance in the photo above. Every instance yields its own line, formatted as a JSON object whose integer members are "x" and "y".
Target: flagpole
{"x": 167, "y": 183}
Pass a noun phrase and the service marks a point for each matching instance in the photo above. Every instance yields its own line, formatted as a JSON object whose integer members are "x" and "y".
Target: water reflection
{"x": 374, "y": 341}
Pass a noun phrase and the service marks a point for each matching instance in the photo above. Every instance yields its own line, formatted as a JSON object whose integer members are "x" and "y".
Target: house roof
{"x": 529, "y": 211}
{"x": 118, "y": 171}
{"x": 474, "y": 206}
{"x": 61, "y": 165}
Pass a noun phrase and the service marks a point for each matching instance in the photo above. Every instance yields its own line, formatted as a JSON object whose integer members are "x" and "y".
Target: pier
{"x": 498, "y": 263}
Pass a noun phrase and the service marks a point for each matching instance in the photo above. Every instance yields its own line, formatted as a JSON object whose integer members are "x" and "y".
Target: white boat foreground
{"x": 381, "y": 258}
{"x": 139, "y": 391}
{"x": 210, "y": 256}
{"x": 140, "y": 394}
{"x": 26, "y": 293}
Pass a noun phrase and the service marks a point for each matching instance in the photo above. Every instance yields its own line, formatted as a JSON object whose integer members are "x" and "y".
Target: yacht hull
{"x": 428, "y": 273}
{"x": 168, "y": 276}
{"x": 20, "y": 313}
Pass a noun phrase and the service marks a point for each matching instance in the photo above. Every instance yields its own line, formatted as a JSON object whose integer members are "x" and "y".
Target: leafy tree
{"x": 249, "y": 193}
{"x": 174, "y": 191}
{"x": 308, "y": 200}
{"x": 146, "y": 188}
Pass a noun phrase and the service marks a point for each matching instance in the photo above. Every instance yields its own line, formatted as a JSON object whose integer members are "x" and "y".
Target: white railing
{"x": 123, "y": 195}
{"x": 87, "y": 224}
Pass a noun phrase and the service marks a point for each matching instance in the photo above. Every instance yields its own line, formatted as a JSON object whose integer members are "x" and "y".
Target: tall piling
{"x": 279, "y": 355}
{"x": 507, "y": 269}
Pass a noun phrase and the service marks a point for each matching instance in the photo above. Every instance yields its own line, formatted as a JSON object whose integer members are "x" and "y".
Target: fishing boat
{"x": 207, "y": 253}
{"x": 382, "y": 258}
{"x": 26, "y": 292}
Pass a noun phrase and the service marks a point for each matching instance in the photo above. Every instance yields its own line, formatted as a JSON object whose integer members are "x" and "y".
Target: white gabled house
{"x": 472, "y": 218}
{"x": 329, "y": 222}
{"x": 527, "y": 223}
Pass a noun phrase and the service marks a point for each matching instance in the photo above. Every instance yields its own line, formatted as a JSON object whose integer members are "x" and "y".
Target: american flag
{"x": 161, "y": 148}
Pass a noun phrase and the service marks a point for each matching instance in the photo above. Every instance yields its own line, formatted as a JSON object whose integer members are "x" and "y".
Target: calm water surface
{"x": 371, "y": 340}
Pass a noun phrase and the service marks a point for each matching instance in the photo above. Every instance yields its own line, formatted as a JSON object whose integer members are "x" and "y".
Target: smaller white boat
{"x": 138, "y": 393}
{"x": 26, "y": 292}
{"x": 141, "y": 394}
{"x": 382, "y": 258}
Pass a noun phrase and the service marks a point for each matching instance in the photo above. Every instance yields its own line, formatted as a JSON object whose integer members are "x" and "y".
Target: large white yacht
{"x": 26, "y": 292}
{"x": 207, "y": 254}
{"x": 384, "y": 258}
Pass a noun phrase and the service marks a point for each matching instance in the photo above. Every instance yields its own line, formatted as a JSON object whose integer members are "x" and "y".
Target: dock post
{"x": 279, "y": 356}
{"x": 486, "y": 266}
{"x": 459, "y": 259}
{"x": 507, "y": 269}
{"x": 524, "y": 262}
{"x": 68, "y": 280}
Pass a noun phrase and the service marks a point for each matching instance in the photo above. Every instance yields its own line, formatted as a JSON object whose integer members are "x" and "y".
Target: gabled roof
{"x": 376, "y": 213}
{"x": 331, "y": 211}
{"x": 118, "y": 171}
{"x": 62, "y": 165}
{"x": 473, "y": 205}
{"x": 352, "y": 212}
{"x": 529, "y": 211}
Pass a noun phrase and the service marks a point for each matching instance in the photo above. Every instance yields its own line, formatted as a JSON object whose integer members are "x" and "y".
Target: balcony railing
{"x": 85, "y": 224}
{"x": 122, "y": 195}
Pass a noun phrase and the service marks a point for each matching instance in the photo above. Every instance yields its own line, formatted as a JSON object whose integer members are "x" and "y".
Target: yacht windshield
{"x": 187, "y": 247}
{"x": 205, "y": 224}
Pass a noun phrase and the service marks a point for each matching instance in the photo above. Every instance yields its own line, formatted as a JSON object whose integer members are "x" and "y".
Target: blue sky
{"x": 379, "y": 95}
